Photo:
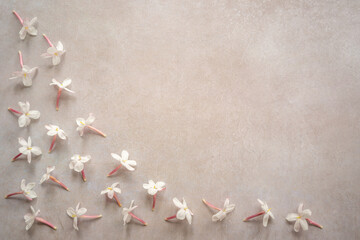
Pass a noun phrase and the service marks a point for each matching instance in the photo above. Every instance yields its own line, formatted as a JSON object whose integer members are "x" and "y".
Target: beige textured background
{"x": 241, "y": 99}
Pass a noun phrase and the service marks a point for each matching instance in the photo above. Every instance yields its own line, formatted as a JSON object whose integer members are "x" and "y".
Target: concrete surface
{"x": 240, "y": 99}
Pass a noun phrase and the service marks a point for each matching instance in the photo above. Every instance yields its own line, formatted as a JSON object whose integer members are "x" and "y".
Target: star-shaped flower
{"x": 153, "y": 188}
{"x": 26, "y": 190}
{"x": 222, "y": 212}
{"x": 77, "y": 164}
{"x": 83, "y": 124}
{"x": 299, "y": 218}
{"x": 25, "y": 114}
{"x": 31, "y": 217}
{"x": 27, "y": 149}
{"x": 183, "y": 212}
{"x": 54, "y": 52}
{"x": 54, "y": 131}
{"x": 28, "y": 26}
{"x": 111, "y": 192}
{"x": 79, "y": 213}
{"x": 128, "y": 164}
{"x": 128, "y": 215}
{"x": 61, "y": 86}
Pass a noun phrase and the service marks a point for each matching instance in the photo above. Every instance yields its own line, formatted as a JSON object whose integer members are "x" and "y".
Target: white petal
{"x": 22, "y": 141}
{"x": 128, "y": 167}
{"x": 180, "y": 214}
{"x": 306, "y": 213}
{"x": 218, "y": 216}
{"x": 188, "y": 216}
{"x": 177, "y": 203}
{"x": 36, "y": 150}
{"x": 61, "y": 134}
{"x": 146, "y": 186}
{"x": 23, "y": 184}
{"x": 81, "y": 211}
{"x": 300, "y": 208}
{"x": 125, "y": 155}
{"x": 90, "y": 119}
{"x": 31, "y": 194}
{"x": 303, "y": 224}
{"x": 104, "y": 191}
{"x": 29, "y": 157}
{"x": 118, "y": 190}
{"x": 22, "y": 33}
{"x": 297, "y": 226}
{"x": 79, "y": 166}
{"x": 152, "y": 191}
{"x": 110, "y": 194}
{"x": 131, "y": 163}
{"x": 32, "y": 31}
{"x": 70, "y": 211}
{"x": 291, "y": 217}
{"x": 55, "y": 60}
{"x": 265, "y": 219}
{"x": 59, "y": 46}
{"x": 23, "y": 121}
{"x": 50, "y": 169}
{"x": 160, "y": 185}
{"x": 66, "y": 82}
{"x": 117, "y": 157}
{"x": 75, "y": 223}
{"x": 44, "y": 178}
{"x": 34, "y": 114}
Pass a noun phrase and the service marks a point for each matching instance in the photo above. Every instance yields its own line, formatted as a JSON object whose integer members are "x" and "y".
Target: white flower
{"x": 126, "y": 212}
{"x": 110, "y": 190}
{"x": 82, "y": 123}
{"x": 27, "y": 75}
{"x": 184, "y": 211}
{"x": 63, "y": 85}
{"x": 75, "y": 214}
{"x": 27, "y": 114}
{"x": 77, "y": 162}
{"x": 55, "y": 130}
{"x": 27, "y": 189}
{"x": 299, "y": 218}
{"x": 153, "y": 187}
{"x": 124, "y": 160}
{"x": 55, "y": 53}
{"x": 28, "y": 27}
{"x": 222, "y": 213}
{"x": 27, "y": 149}
{"x": 30, "y": 218}
{"x": 46, "y": 176}
{"x": 267, "y": 214}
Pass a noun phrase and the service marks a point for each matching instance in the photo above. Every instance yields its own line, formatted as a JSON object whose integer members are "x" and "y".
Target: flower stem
{"x": 83, "y": 175}
{"x": 117, "y": 199}
{"x": 58, "y": 182}
{"x": 91, "y": 216}
{"x": 18, "y": 17}
{"x": 172, "y": 217}
{"x": 21, "y": 60}
{"x": 113, "y": 171}
{"x": 252, "y": 216}
{"x": 210, "y": 205}
{"x": 48, "y": 40}
{"x": 52, "y": 143}
{"x": 314, "y": 223}
{"x": 14, "y": 111}
{"x": 58, "y": 98}
{"x": 139, "y": 219}
{"x": 154, "y": 201}
{"x": 45, "y": 222}
{"x": 12, "y": 194}
{"x": 16, "y": 157}
{"x": 96, "y": 130}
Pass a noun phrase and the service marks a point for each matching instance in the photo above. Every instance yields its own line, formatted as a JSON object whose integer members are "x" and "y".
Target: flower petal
{"x": 70, "y": 211}
{"x": 297, "y": 226}
{"x": 188, "y": 216}
{"x": 265, "y": 219}
{"x": 117, "y": 157}
{"x": 304, "y": 224}
{"x": 180, "y": 214}
{"x": 124, "y": 155}
{"x": 177, "y": 203}
{"x": 36, "y": 150}
{"x": 55, "y": 60}
{"x": 79, "y": 166}
{"x": 291, "y": 217}
{"x": 34, "y": 114}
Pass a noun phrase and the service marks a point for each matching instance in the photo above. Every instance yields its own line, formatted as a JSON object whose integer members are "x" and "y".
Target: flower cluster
{"x": 77, "y": 162}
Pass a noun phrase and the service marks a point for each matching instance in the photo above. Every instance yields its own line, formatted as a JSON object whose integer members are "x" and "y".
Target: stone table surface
{"x": 241, "y": 99}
